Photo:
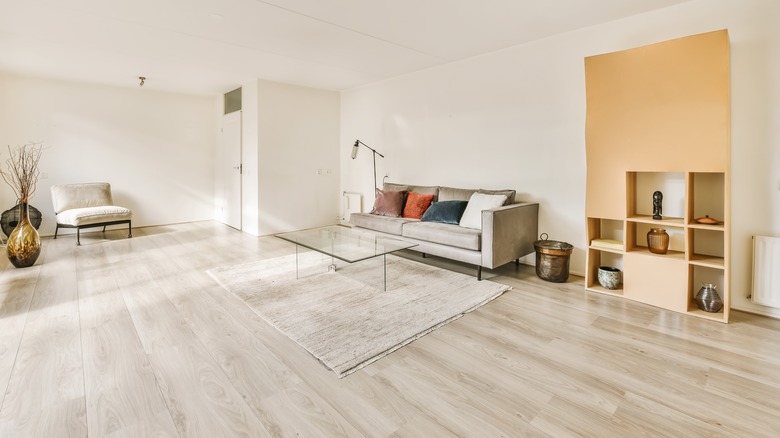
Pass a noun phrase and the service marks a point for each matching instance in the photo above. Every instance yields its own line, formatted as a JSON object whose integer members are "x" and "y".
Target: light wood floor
{"x": 131, "y": 338}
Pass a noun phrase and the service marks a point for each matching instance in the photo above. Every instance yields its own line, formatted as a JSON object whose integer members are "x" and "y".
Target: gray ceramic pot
{"x": 609, "y": 277}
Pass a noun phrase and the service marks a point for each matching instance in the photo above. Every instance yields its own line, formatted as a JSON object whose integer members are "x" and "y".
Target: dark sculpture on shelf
{"x": 658, "y": 198}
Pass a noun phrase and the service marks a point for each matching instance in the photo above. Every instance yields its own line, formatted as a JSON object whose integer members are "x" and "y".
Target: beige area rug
{"x": 344, "y": 318}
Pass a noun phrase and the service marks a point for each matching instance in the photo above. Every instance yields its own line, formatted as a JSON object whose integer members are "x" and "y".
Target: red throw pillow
{"x": 416, "y": 204}
{"x": 388, "y": 203}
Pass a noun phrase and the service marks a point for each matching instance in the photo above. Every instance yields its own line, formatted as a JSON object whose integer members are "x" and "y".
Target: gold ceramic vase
{"x": 24, "y": 243}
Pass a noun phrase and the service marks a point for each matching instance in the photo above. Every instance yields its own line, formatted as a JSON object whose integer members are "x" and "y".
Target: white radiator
{"x": 766, "y": 271}
{"x": 351, "y": 202}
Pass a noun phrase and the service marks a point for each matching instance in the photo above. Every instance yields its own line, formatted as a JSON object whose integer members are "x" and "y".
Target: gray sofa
{"x": 507, "y": 233}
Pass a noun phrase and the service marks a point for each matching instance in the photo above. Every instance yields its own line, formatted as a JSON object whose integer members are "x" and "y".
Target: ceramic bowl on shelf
{"x": 707, "y": 220}
{"x": 609, "y": 277}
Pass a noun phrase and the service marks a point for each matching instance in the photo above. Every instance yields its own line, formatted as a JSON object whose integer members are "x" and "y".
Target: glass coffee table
{"x": 346, "y": 244}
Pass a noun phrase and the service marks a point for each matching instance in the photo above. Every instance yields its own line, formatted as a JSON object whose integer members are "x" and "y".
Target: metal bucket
{"x": 552, "y": 259}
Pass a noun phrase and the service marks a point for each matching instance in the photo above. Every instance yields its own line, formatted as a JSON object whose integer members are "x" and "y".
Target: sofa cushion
{"x": 445, "y": 234}
{"x": 424, "y": 190}
{"x": 83, "y": 195}
{"x": 93, "y": 215}
{"x": 416, "y": 205}
{"x": 455, "y": 194}
{"x": 447, "y": 212}
{"x": 472, "y": 217}
{"x": 510, "y": 194}
{"x": 395, "y": 187}
{"x": 384, "y": 224}
{"x": 389, "y": 203}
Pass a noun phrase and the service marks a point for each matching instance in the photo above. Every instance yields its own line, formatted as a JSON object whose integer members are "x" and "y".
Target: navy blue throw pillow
{"x": 448, "y": 212}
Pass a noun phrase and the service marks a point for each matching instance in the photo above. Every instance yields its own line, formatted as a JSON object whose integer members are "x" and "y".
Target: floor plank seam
{"x": 201, "y": 342}
{"x": 24, "y": 328}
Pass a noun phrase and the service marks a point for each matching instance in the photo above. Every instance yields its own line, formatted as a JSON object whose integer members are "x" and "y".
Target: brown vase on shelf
{"x": 657, "y": 241}
{"x": 24, "y": 243}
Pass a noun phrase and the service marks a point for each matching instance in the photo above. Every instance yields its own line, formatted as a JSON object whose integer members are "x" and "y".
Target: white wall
{"x": 155, "y": 148}
{"x": 290, "y": 152}
{"x": 515, "y": 119}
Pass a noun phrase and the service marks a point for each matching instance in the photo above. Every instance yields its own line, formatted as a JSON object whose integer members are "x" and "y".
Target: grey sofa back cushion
{"x": 455, "y": 194}
{"x": 395, "y": 187}
{"x": 423, "y": 190}
{"x": 510, "y": 194}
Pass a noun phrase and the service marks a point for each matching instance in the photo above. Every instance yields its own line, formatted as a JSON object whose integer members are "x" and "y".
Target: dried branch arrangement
{"x": 22, "y": 170}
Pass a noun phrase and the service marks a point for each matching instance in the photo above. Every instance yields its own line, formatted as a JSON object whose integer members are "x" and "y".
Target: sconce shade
{"x": 355, "y": 149}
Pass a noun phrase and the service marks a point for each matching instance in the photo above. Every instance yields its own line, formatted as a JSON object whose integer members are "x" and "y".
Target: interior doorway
{"x": 230, "y": 170}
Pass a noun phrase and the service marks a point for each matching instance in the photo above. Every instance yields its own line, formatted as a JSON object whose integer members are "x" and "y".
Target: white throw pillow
{"x": 472, "y": 217}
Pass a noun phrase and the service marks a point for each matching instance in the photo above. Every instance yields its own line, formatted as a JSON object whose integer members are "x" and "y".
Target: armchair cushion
{"x": 92, "y": 215}
{"x": 69, "y": 196}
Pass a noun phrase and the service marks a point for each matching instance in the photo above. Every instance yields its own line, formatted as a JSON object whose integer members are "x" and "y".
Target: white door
{"x": 230, "y": 170}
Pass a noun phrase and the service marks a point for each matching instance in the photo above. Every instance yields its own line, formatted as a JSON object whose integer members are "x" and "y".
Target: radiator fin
{"x": 766, "y": 271}
{"x": 351, "y": 203}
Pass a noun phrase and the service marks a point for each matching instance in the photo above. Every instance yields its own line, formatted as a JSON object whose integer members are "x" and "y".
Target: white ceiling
{"x": 213, "y": 46}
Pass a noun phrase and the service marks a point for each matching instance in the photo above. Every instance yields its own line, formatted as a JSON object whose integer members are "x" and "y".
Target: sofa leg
{"x": 479, "y": 273}
{"x": 56, "y": 230}
{"x": 104, "y": 228}
{"x": 78, "y": 236}
{"x": 517, "y": 262}
{"x": 424, "y": 255}
{"x": 129, "y": 230}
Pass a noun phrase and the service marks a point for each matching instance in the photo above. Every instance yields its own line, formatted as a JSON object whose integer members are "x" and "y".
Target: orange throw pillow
{"x": 416, "y": 204}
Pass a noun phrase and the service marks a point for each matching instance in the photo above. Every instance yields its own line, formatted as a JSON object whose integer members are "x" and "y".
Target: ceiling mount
{"x": 142, "y": 79}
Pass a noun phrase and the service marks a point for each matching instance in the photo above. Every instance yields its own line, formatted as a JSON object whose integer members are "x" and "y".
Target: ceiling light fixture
{"x": 142, "y": 79}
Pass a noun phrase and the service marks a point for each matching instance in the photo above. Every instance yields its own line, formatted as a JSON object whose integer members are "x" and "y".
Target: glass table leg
{"x": 296, "y": 263}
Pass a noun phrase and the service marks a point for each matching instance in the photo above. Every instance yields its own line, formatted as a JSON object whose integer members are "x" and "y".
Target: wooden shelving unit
{"x": 658, "y": 119}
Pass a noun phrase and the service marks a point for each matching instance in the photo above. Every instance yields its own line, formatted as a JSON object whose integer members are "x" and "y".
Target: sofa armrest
{"x": 508, "y": 233}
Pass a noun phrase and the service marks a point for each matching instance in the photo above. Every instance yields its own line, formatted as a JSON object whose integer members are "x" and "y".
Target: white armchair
{"x": 87, "y": 205}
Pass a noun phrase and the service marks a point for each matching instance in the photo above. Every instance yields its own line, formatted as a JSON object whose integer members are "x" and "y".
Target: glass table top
{"x": 345, "y": 243}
